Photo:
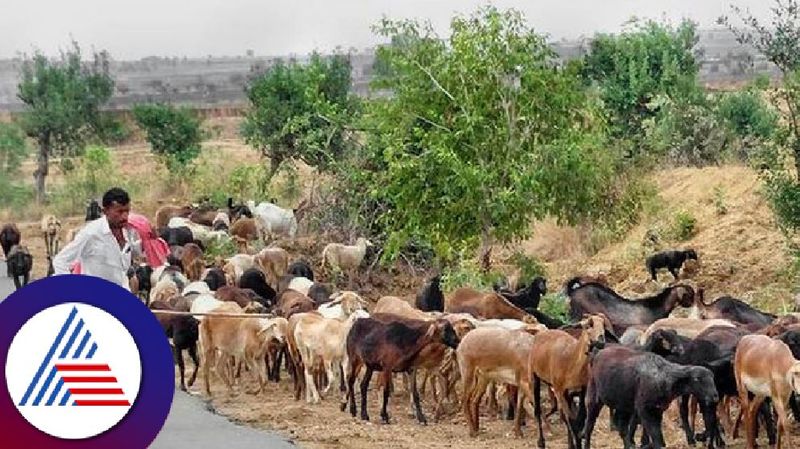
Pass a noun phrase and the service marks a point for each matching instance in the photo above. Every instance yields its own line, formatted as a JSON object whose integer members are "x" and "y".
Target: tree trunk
{"x": 41, "y": 171}
{"x": 796, "y": 150}
{"x": 274, "y": 165}
{"x": 485, "y": 255}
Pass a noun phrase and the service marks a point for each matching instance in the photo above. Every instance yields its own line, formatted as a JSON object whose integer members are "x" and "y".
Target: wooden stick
{"x": 223, "y": 315}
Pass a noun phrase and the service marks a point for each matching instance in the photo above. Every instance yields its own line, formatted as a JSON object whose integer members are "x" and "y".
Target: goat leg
{"x": 364, "y": 387}
{"x": 415, "y": 396}
{"x": 179, "y": 360}
{"x": 193, "y": 355}
{"x": 537, "y": 407}
{"x": 387, "y": 391}
{"x": 687, "y": 427}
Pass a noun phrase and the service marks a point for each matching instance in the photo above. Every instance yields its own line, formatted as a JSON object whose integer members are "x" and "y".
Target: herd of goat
{"x": 626, "y": 354}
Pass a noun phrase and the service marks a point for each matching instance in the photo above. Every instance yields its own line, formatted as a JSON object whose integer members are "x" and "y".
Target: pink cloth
{"x": 155, "y": 248}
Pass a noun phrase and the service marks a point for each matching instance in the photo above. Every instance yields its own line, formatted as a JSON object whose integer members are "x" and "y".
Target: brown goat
{"x": 484, "y": 305}
{"x": 192, "y": 261}
{"x": 492, "y": 354}
{"x": 397, "y": 306}
{"x": 765, "y": 368}
{"x": 273, "y": 262}
{"x": 245, "y": 229}
{"x": 562, "y": 361}
{"x": 390, "y": 348}
{"x": 291, "y": 302}
{"x": 165, "y": 213}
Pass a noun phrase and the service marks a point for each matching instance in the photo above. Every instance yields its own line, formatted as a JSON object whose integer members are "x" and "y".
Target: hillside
{"x": 741, "y": 252}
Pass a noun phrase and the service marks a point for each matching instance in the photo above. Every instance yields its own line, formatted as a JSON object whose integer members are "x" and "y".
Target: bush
{"x": 783, "y": 194}
{"x": 220, "y": 248}
{"x": 684, "y": 226}
{"x": 747, "y": 114}
{"x": 529, "y": 267}
{"x": 467, "y": 273}
{"x": 719, "y": 201}
{"x": 174, "y": 134}
{"x": 555, "y": 305}
{"x": 622, "y": 209}
{"x": 112, "y": 131}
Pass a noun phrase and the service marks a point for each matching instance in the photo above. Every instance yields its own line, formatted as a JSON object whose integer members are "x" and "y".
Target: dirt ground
{"x": 323, "y": 426}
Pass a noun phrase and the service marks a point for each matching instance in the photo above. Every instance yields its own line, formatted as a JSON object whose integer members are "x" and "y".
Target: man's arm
{"x": 64, "y": 259}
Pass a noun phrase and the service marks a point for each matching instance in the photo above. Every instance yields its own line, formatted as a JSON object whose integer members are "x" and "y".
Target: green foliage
{"x": 687, "y": 133}
{"x": 635, "y": 67}
{"x": 783, "y": 193}
{"x": 465, "y": 272}
{"x": 301, "y": 112}
{"x": 471, "y": 146}
{"x": 93, "y": 174}
{"x": 62, "y": 102}
{"x": 529, "y": 266}
{"x": 13, "y": 150}
{"x": 748, "y": 114}
{"x": 624, "y": 204}
{"x": 112, "y": 131}
{"x": 220, "y": 248}
{"x": 173, "y": 133}
{"x": 684, "y": 226}
{"x": 555, "y": 305}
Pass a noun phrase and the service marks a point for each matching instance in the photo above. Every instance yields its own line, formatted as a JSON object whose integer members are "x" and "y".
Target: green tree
{"x": 174, "y": 134}
{"x": 62, "y": 103}
{"x": 633, "y": 68}
{"x": 300, "y": 111}
{"x": 13, "y": 150}
{"x": 779, "y": 41}
{"x": 483, "y": 131}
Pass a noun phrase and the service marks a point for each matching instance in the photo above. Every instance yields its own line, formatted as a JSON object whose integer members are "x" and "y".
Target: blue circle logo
{"x": 86, "y": 365}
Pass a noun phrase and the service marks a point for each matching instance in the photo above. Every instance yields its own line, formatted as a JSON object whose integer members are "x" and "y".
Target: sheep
{"x": 685, "y": 327}
{"x": 9, "y": 236}
{"x": 301, "y": 268}
{"x": 431, "y": 298}
{"x": 51, "y": 231}
{"x": 164, "y": 289}
{"x": 244, "y": 339}
{"x": 183, "y": 330}
{"x": 273, "y": 220}
{"x": 591, "y": 299}
{"x": 638, "y": 386}
{"x": 345, "y": 258}
{"x": 291, "y": 302}
{"x": 671, "y": 260}
{"x": 245, "y": 230}
{"x": 221, "y": 222}
{"x": 301, "y": 284}
{"x": 562, "y": 361}
{"x": 342, "y": 306}
{"x": 196, "y": 288}
{"x": 389, "y": 348}
{"x": 273, "y": 262}
{"x": 19, "y": 264}
{"x": 192, "y": 261}
{"x": 236, "y": 266}
{"x": 765, "y": 368}
{"x": 493, "y": 354}
{"x": 321, "y": 338}
{"x": 165, "y": 213}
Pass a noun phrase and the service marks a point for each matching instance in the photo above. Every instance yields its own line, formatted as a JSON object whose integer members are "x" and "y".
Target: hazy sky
{"x": 136, "y": 28}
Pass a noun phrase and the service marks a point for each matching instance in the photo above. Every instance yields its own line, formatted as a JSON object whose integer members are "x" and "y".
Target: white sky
{"x": 132, "y": 29}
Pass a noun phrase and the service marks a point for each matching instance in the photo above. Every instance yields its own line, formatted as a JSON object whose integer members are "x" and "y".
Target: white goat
{"x": 347, "y": 258}
{"x": 273, "y": 220}
{"x": 301, "y": 284}
{"x": 344, "y": 304}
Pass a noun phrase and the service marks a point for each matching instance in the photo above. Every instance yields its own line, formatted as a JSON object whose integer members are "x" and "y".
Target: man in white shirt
{"x": 104, "y": 247}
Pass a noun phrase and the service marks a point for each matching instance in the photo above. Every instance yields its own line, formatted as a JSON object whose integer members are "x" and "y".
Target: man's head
{"x": 116, "y": 206}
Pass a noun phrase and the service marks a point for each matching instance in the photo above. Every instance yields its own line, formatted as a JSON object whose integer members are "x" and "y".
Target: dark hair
{"x": 116, "y": 195}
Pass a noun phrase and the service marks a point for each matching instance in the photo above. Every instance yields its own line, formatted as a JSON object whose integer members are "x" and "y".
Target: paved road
{"x": 190, "y": 425}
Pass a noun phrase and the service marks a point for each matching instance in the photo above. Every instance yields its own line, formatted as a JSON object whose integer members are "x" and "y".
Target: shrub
{"x": 555, "y": 305}
{"x": 684, "y": 226}
{"x": 719, "y": 201}
{"x": 174, "y": 134}
{"x": 747, "y": 114}
{"x": 529, "y": 267}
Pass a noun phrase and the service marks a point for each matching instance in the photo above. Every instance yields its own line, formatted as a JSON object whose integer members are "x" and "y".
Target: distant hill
{"x": 220, "y": 81}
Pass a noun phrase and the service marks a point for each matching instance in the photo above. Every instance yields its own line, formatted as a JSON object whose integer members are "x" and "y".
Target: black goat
{"x": 320, "y": 293}
{"x": 93, "y": 211}
{"x": 176, "y": 236}
{"x": 527, "y": 297}
{"x": 183, "y": 330}
{"x": 215, "y": 278}
{"x": 9, "y": 236}
{"x": 431, "y": 298}
{"x": 143, "y": 274}
{"x": 255, "y": 280}
{"x": 301, "y": 268}
{"x": 671, "y": 260}
{"x": 638, "y": 387}
{"x": 19, "y": 264}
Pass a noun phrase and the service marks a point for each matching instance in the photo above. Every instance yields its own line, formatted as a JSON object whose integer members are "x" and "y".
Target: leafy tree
{"x": 62, "y": 103}
{"x": 748, "y": 114}
{"x": 174, "y": 134}
{"x": 13, "y": 150}
{"x": 300, "y": 111}
{"x": 633, "y": 68}
{"x": 483, "y": 131}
